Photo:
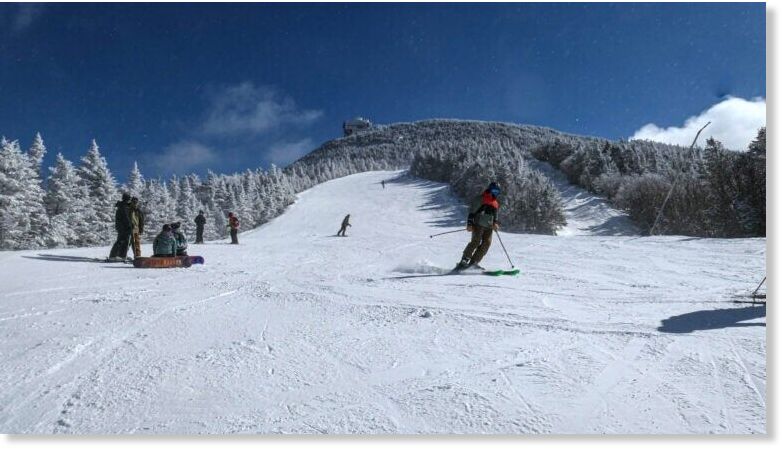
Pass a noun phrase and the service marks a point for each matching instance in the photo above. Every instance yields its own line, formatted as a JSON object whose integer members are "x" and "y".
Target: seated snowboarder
{"x": 481, "y": 222}
{"x": 165, "y": 243}
{"x": 181, "y": 240}
{"x": 345, "y": 225}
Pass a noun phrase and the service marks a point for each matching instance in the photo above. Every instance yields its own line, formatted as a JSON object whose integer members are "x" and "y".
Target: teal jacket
{"x": 181, "y": 242}
{"x": 165, "y": 244}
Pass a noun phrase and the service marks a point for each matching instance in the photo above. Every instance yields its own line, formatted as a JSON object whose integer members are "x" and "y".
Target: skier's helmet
{"x": 494, "y": 189}
{"x": 167, "y": 228}
{"x": 176, "y": 225}
{"x": 125, "y": 197}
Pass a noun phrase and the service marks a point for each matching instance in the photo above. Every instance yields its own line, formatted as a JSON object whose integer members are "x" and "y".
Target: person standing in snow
{"x": 165, "y": 243}
{"x": 200, "y": 221}
{"x": 124, "y": 228}
{"x": 481, "y": 222}
{"x": 383, "y": 182}
{"x": 137, "y": 225}
{"x": 181, "y": 240}
{"x": 233, "y": 224}
{"x": 345, "y": 225}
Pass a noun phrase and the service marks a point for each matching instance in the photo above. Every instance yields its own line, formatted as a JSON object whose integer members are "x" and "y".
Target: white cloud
{"x": 246, "y": 109}
{"x": 26, "y": 15}
{"x": 287, "y": 152}
{"x": 734, "y": 122}
{"x": 183, "y": 156}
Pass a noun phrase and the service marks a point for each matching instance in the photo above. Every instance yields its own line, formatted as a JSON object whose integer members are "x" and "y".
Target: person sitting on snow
{"x": 181, "y": 240}
{"x": 165, "y": 243}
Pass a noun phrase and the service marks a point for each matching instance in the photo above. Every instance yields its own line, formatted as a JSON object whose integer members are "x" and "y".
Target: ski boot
{"x": 463, "y": 264}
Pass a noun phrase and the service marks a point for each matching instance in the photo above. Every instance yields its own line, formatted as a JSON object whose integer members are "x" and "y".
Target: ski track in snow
{"x": 298, "y": 331}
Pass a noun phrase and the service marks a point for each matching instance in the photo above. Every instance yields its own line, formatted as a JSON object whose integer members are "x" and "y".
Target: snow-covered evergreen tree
{"x": 23, "y": 219}
{"x": 36, "y": 153}
{"x": 135, "y": 183}
{"x": 67, "y": 205}
{"x": 101, "y": 187}
{"x": 187, "y": 206}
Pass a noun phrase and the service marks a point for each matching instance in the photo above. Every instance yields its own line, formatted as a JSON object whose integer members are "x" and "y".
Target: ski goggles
{"x": 495, "y": 191}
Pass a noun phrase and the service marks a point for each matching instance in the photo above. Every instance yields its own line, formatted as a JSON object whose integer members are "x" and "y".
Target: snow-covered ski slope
{"x": 298, "y": 331}
{"x": 586, "y": 213}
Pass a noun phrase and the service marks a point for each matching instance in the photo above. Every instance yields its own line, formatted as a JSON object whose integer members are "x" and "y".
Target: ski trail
{"x": 586, "y": 213}
{"x": 296, "y": 332}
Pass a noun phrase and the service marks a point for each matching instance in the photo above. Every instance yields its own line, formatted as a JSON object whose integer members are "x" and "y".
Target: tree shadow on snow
{"x": 713, "y": 319}
{"x": 439, "y": 199}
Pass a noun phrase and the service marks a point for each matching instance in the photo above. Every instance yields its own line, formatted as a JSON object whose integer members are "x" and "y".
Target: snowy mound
{"x": 296, "y": 330}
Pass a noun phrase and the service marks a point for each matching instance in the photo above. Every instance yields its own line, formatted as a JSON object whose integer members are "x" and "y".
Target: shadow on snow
{"x": 438, "y": 198}
{"x": 65, "y": 258}
{"x": 713, "y": 319}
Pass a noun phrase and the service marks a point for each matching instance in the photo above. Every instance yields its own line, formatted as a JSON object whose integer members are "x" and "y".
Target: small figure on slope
{"x": 233, "y": 224}
{"x": 345, "y": 225}
{"x": 200, "y": 221}
{"x": 181, "y": 240}
{"x": 165, "y": 243}
{"x": 482, "y": 222}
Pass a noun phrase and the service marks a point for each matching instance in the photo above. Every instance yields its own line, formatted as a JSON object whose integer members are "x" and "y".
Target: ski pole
{"x": 447, "y": 232}
{"x": 503, "y": 249}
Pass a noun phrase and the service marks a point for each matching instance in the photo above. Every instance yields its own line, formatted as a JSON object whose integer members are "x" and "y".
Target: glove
{"x": 495, "y": 226}
{"x": 470, "y": 227}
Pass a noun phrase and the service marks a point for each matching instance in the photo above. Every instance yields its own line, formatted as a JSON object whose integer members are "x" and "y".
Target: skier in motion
{"x": 482, "y": 222}
{"x": 344, "y": 227}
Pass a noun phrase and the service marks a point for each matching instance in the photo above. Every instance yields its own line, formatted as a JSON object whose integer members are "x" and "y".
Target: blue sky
{"x": 182, "y": 87}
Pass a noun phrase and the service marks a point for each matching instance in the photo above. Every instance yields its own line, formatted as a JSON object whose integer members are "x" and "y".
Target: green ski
{"x": 496, "y": 273}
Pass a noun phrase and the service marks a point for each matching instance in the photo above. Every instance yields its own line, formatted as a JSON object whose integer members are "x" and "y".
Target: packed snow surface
{"x": 298, "y": 331}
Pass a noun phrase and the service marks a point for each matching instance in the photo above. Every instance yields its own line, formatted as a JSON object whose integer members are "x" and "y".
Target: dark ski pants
{"x": 234, "y": 236}
{"x": 199, "y": 235}
{"x": 120, "y": 247}
{"x": 479, "y": 245}
{"x": 342, "y": 231}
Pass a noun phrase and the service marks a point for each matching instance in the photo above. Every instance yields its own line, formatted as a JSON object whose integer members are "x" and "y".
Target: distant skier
{"x": 383, "y": 182}
{"x": 181, "y": 240}
{"x": 345, "y": 225}
{"x": 482, "y": 222}
{"x": 233, "y": 224}
{"x": 137, "y": 224}
{"x": 124, "y": 228}
{"x": 165, "y": 243}
{"x": 200, "y": 221}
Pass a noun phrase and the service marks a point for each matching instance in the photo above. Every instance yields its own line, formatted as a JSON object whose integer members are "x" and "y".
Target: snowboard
{"x": 196, "y": 259}
{"x": 162, "y": 262}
